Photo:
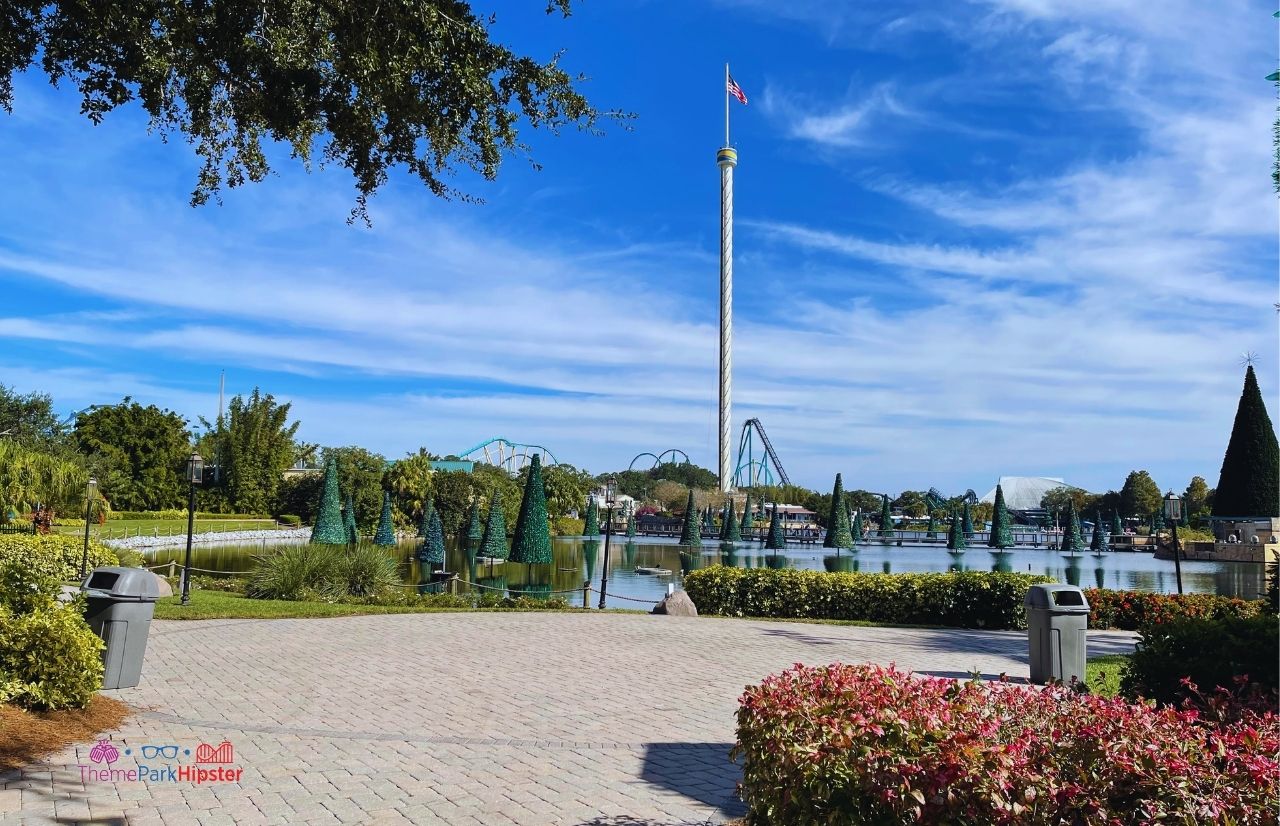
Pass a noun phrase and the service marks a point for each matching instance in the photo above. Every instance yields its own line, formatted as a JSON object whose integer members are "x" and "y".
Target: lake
{"x": 577, "y": 559}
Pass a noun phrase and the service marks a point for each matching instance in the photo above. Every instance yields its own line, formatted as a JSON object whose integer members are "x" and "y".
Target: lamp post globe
{"x": 1172, "y": 515}
{"x": 610, "y": 498}
{"x": 195, "y": 475}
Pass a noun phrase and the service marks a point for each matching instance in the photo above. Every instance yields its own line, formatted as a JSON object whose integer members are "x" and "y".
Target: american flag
{"x": 734, "y": 89}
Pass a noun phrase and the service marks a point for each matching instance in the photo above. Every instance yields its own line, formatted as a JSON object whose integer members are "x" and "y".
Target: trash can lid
{"x": 1057, "y": 596}
{"x": 123, "y": 584}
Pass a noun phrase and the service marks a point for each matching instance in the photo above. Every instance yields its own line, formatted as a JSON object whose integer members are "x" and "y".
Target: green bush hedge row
{"x": 966, "y": 600}
{"x": 181, "y": 513}
{"x": 1210, "y": 652}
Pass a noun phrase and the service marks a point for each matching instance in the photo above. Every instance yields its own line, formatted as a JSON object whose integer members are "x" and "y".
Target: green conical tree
{"x": 859, "y": 532}
{"x": 328, "y": 529}
{"x": 1251, "y": 466}
{"x": 1001, "y": 530}
{"x": 532, "y": 541}
{"x": 838, "y": 533}
{"x": 747, "y": 522}
{"x": 1072, "y": 539}
{"x": 931, "y": 530}
{"x": 591, "y": 528}
{"x": 631, "y": 526}
{"x": 955, "y": 536}
{"x": 732, "y": 532}
{"x": 349, "y": 521}
{"x": 494, "y": 542}
{"x": 386, "y": 534}
{"x": 966, "y": 521}
{"x": 886, "y": 518}
{"x": 1117, "y": 527}
{"x": 724, "y": 523}
{"x": 775, "y": 540}
{"x": 425, "y": 524}
{"x": 475, "y": 531}
{"x": 432, "y": 552}
{"x": 1099, "y": 543}
{"x": 689, "y": 529}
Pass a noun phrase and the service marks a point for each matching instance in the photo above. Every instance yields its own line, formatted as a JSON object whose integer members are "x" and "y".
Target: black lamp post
{"x": 1172, "y": 514}
{"x": 610, "y": 496}
{"x": 88, "y": 509}
{"x": 195, "y": 475}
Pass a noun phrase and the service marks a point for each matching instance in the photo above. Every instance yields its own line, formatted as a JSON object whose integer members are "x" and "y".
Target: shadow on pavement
{"x": 701, "y": 771}
{"x": 623, "y": 820}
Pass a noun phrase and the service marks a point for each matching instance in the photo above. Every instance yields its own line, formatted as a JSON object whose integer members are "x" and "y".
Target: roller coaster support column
{"x": 726, "y": 159}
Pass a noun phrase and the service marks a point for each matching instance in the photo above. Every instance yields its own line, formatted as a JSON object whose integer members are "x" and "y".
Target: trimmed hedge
{"x": 1134, "y": 610}
{"x": 181, "y": 513}
{"x": 867, "y": 744}
{"x": 1212, "y": 653}
{"x": 966, "y": 600}
{"x": 49, "y": 657}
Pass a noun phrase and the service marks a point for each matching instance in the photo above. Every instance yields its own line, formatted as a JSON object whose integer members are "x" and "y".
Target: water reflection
{"x": 577, "y": 559}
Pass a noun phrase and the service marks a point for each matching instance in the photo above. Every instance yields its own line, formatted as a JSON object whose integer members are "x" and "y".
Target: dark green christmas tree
{"x": 432, "y": 552}
{"x": 886, "y": 518}
{"x": 425, "y": 524}
{"x": 966, "y": 521}
{"x": 1001, "y": 529}
{"x": 494, "y": 542}
{"x": 732, "y": 532}
{"x": 775, "y": 540}
{"x": 1099, "y": 543}
{"x": 931, "y": 530}
{"x": 328, "y": 529}
{"x": 591, "y": 528}
{"x": 689, "y": 529}
{"x": 859, "y": 532}
{"x": 1250, "y": 475}
{"x": 955, "y": 536}
{"x": 1072, "y": 539}
{"x": 386, "y": 534}
{"x": 838, "y": 533}
{"x": 349, "y": 521}
{"x": 475, "y": 531}
{"x": 745, "y": 527}
{"x": 631, "y": 526}
{"x": 1117, "y": 527}
{"x": 532, "y": 541}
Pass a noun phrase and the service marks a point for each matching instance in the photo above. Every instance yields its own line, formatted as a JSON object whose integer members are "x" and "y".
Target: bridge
{"x": 506, "y": 454}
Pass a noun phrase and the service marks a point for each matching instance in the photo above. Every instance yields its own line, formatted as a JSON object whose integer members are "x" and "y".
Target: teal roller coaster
{"x": 506, "y": 454}
{"x": 757, "y": 465}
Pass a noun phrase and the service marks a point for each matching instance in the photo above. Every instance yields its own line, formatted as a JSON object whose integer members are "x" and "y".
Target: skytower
{"x": 726, "y": 159}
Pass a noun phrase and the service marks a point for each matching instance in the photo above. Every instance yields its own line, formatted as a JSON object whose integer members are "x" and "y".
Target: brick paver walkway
{"x": 530, "y": 718}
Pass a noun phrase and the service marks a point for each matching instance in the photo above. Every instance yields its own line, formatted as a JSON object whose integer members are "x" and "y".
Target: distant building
{"x": 1023, "y": 493}
{"x": 793, "y": 517}
{"x": 452, "y": 464}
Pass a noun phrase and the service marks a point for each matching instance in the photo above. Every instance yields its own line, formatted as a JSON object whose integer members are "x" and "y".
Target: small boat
{"x": 640, "y": 569}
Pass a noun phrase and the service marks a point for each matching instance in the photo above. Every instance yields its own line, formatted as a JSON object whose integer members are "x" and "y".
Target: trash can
{"x": 120, "y": 604}
{"x": 1057, "y": 623}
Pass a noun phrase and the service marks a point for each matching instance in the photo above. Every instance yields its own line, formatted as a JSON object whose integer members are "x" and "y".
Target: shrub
{"x": 289, "y": 520}
{"x": 969, "y": 600}
{"x": 866, "y": 744}
{"x": 33, "y": 566}
{"x": 567, "y": 526}
{"x": 1211, "y": 653}
{"x": 1134, "y": 610}
{"x": 49, "y": 658}
{"x": 322, "y": 572}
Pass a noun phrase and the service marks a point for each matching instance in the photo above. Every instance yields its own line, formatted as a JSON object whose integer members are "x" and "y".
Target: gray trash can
{"x": 1057, "y": 624}
{"x": 120, "y": 604}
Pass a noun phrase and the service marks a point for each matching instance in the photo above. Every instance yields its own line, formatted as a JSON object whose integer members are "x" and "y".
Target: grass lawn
{"x": 119, "y": 528}
{"x": 1102, "y": 674}
{"x": 30, "y": 735}
{"x": 223, "y": 605}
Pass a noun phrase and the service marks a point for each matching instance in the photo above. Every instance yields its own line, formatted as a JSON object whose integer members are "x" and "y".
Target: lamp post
{"x": 195, "y": 474}
{"x": 88, "y": 508}
{"x": 610, "y": 496}
{"x": 1173, "y": 513}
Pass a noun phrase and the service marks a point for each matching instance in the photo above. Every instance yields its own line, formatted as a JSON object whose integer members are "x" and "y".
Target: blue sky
{"x": 1000, "y": 237}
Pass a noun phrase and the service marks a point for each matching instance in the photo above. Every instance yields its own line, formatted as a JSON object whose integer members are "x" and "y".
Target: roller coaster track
{"x": 757, "y": 470}
{"x": 506, "y": 454}
{"x": 659, "y": 458}
{"x": 936, "y": 501}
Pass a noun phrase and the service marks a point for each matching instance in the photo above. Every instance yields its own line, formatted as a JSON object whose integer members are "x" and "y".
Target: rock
{"x": 676, "y": 604}
{"x": 163, "y": 584}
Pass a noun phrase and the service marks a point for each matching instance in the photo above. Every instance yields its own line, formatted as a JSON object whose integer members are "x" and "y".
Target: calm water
{"x": 577, "y": 560}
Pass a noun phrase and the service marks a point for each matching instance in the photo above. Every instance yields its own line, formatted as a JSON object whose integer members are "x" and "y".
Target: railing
{"x": 18, "y": 528}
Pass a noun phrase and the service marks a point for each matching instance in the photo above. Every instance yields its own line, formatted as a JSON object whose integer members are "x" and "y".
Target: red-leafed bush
{"x": 866, "y": 744}
{"x": 1134, "y": 610}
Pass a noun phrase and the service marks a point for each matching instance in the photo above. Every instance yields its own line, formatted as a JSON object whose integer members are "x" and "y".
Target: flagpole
{"x": 726, "y": 104}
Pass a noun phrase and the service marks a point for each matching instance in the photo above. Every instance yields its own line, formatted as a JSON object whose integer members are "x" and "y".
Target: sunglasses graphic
{"x": 152, "y": 752}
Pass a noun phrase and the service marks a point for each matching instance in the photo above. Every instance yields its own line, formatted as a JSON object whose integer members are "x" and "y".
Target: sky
{"x": 998, "y": 237}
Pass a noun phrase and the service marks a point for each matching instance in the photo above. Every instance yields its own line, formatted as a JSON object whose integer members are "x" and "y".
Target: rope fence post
{"x": 586, "y": 588}
{"x": 173, "y": 568}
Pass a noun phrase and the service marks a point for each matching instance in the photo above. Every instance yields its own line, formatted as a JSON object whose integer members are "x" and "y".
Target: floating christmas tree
{"x": 425, "y": 524}
{"x": 1099, "y": 544}
{"x": 532, "y": 541}
{"x": 775, "y": 540}
{"x": 931, "y": 530}
{"x": 1250, "y": 473}
{"x": 1117, "y": 527}
{"x": 745, "y": 527}
{"x": 859, "y": 532}
{"x": 838, "y": 533}
{"x": 1072, "y": 539}
{"x": 886, "y": 518}
{"x": 731, "y": 533}
{"x": 475, "y": 531}
{"x": 432, "y": 552}
{"x": 328, "y": 529}
{"x": 966, "y": 521}
{"x": 386, "y": 533}
{"x": 1001, "y": 530}
{"x": 955, "y": 536}
{"x": 592, "y": 527}
{"x": 631, "y": 526}
{"x": 689, "y": 529}
{"x": 494, "y": 542}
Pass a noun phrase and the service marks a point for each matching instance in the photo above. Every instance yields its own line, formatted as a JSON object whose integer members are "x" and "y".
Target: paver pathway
{"x": 466, "y": 718}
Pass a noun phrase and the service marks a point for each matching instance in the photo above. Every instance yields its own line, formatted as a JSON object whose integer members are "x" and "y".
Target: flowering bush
{"x": 1133, "y": 610}
{"x": 966, "y": 600}
{"x": 866, "y": 744}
